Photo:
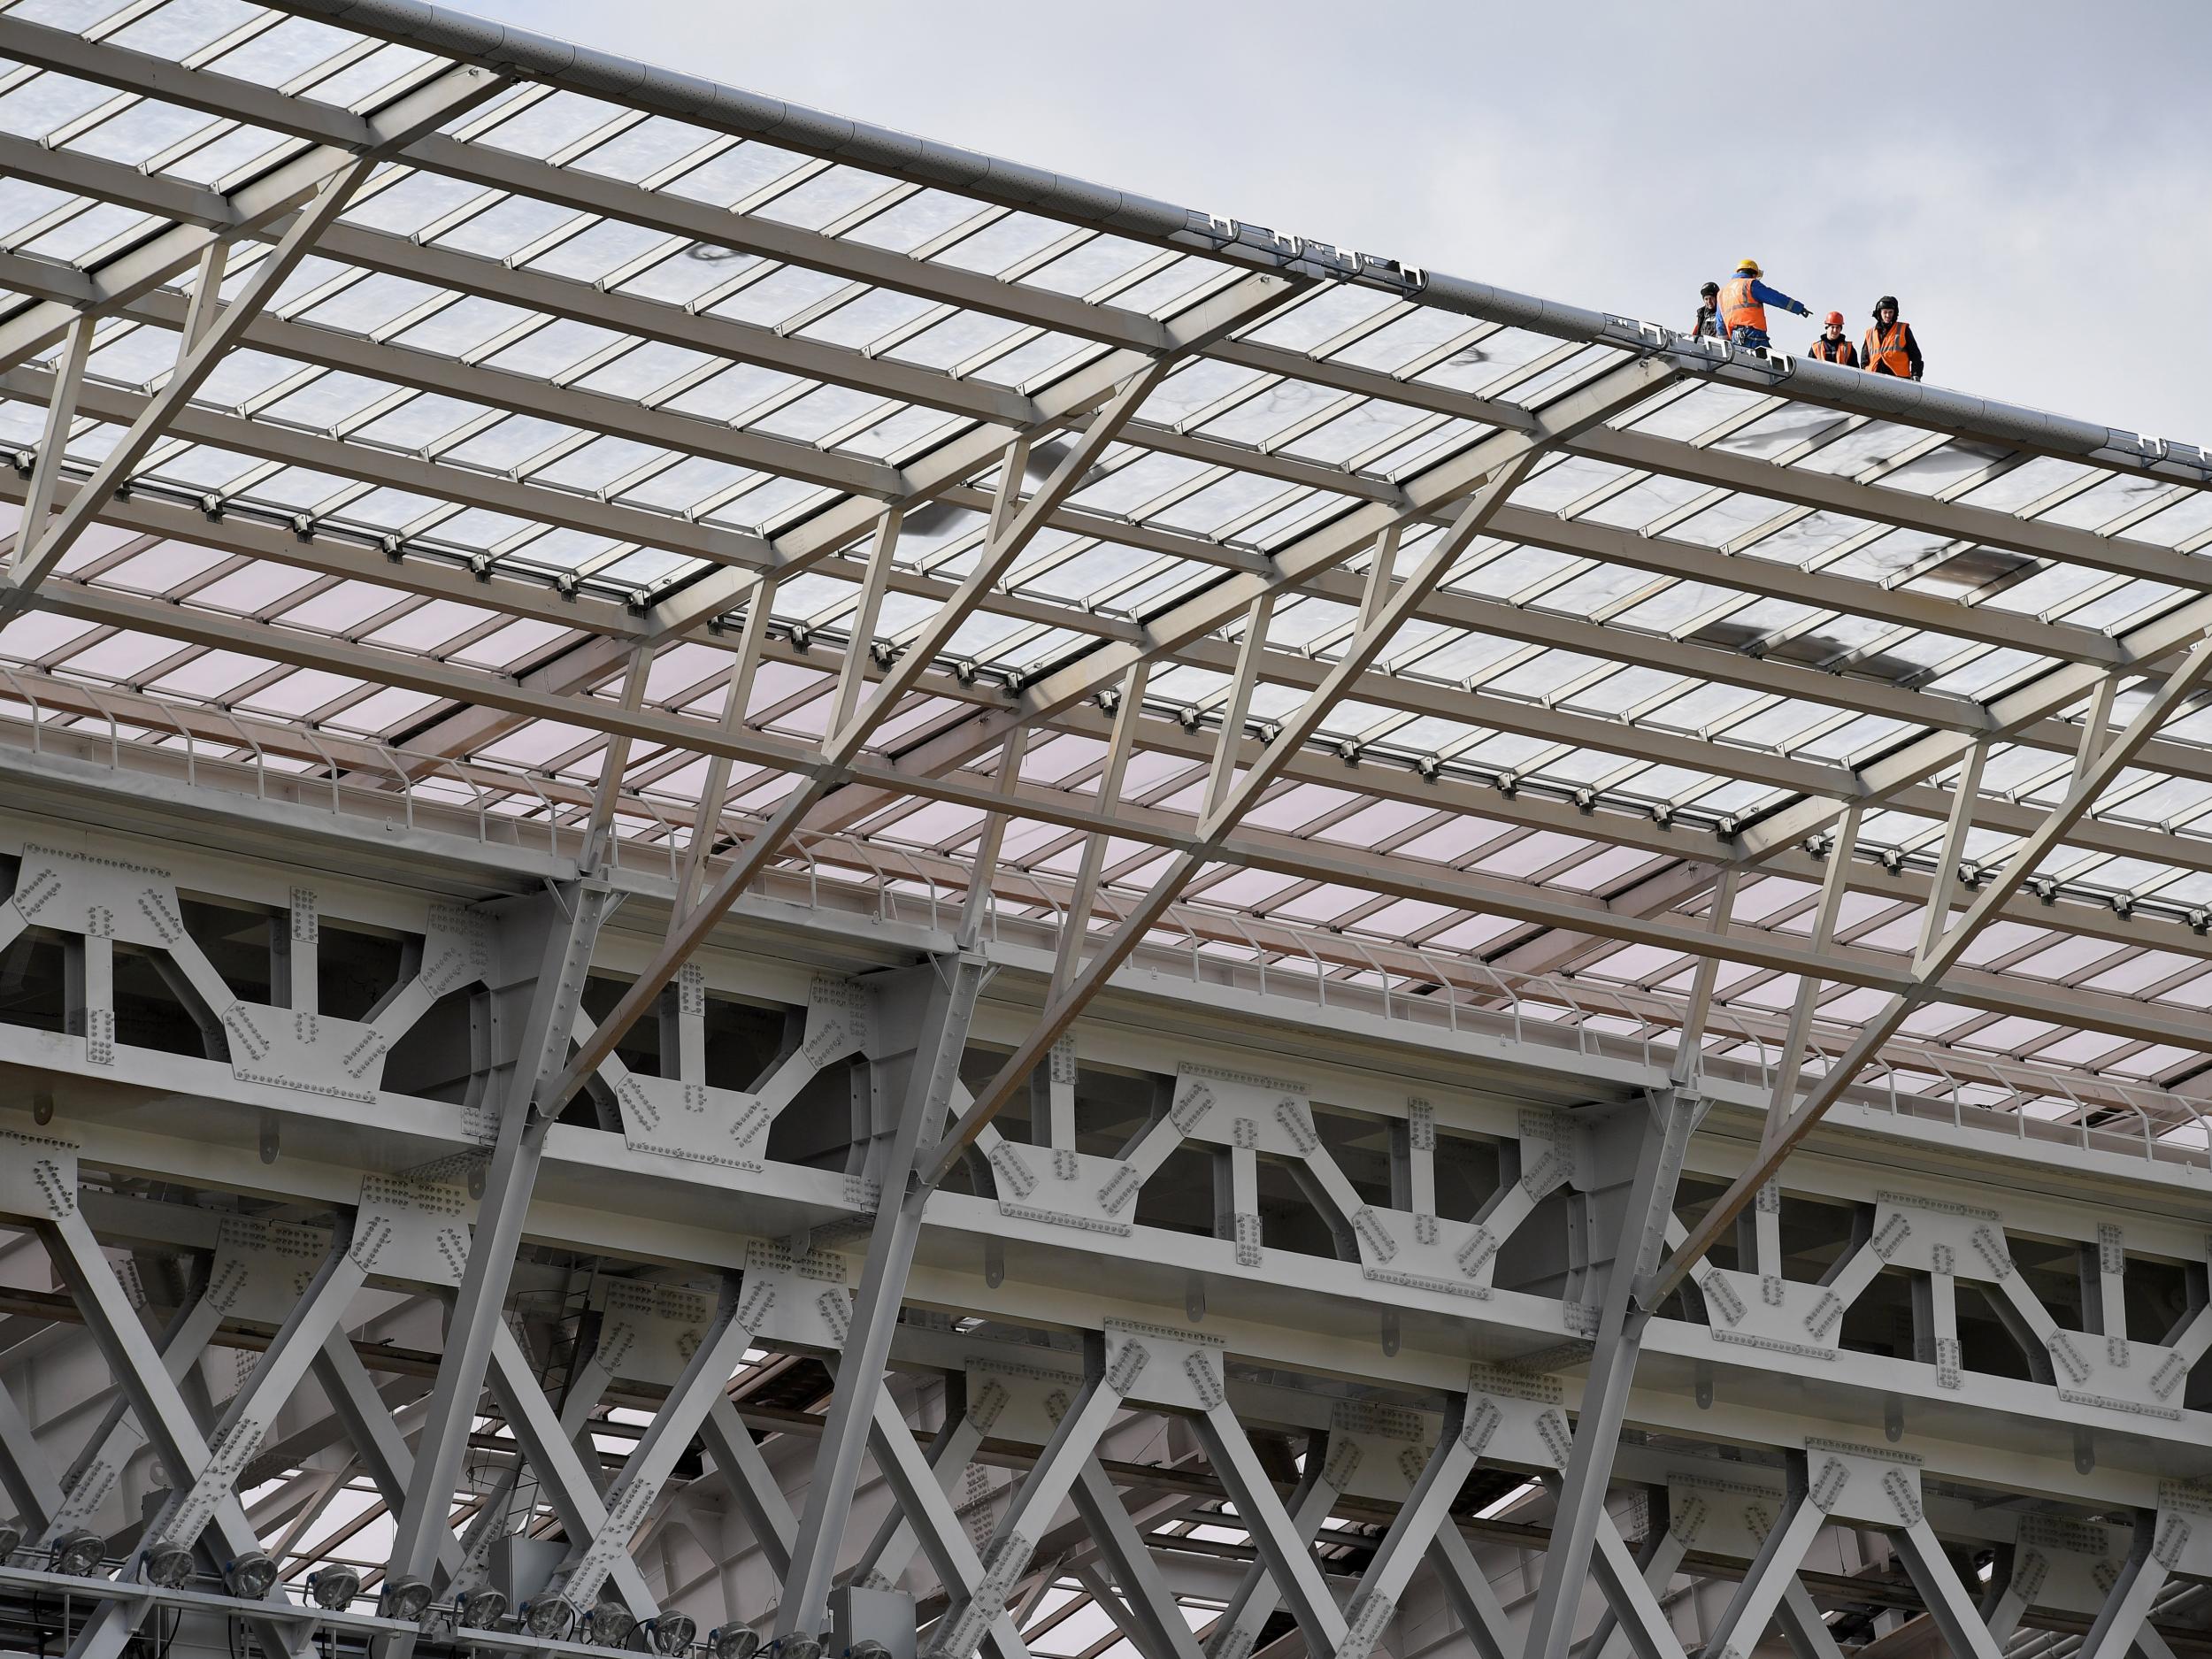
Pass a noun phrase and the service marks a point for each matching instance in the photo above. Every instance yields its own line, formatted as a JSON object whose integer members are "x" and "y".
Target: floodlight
{"x": 482, "y": 1609}
{"x": 609, "y": 1624}
{"x": 168, "y": 1565}
{"x": 79, "y": 1554}
{"x": 673, "y": 1633}
{"x": 547, "y": 1618}
{"x": 10, "y": 1539}
{"x": 734, "y": 1642}
{"x": 406, "y": 1599}
{"x": 333, "y": 1588}
{"x": 251, "y": 1575}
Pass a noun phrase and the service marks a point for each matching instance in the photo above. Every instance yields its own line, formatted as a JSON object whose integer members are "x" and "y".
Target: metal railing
{"x": 1337, "y": 973}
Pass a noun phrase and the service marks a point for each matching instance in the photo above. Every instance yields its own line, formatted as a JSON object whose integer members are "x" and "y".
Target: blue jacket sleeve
{"x": 1775, "y": 297}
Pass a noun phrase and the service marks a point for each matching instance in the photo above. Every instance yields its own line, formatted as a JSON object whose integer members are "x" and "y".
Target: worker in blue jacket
{"x": 1744, "y": 300}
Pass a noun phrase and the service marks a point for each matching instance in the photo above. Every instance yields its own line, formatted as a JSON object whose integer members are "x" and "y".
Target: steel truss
{"x": 661, "y": 1357}
{"x": 731, "y": 659}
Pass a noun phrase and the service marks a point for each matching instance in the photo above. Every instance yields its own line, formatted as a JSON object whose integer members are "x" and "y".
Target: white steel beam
{"x": 37, "y": 556}
{"x": 1943, "y": 942}
{"x": 161, "y": 1410}
{"x": 1482, "y": 1616}
{"x": 1622, "y": 1319}
{"x": 422, "y": 1529}
{"x": 1226, "y": 804}
{"x": 752, "y": 1485}
{"x": 1287, "y": 1556}
{"x": 1157, "y": 1622}
{"x": 932, "y": 1076}
{"x": 945, "y": 1541}
{"x": 840, "y": 747}
{"x": 421, "y": 108}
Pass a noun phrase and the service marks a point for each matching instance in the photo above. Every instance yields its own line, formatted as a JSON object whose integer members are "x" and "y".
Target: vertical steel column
{"x": 934, "y": 1075}
{"x": 53, "y": 443}
{"x": 479, "y": 1308}
{"x": 1621, "y": 1317}
{"x": 1842, "y": 847}
{"x": 614, "y": 762}
{"x": 737, "y": 697}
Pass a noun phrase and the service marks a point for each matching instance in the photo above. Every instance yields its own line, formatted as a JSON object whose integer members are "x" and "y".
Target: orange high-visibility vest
{"x": 1738, "y": 309}
{"x": 1836, "y": 351}
{"x": 1886, "y": 352}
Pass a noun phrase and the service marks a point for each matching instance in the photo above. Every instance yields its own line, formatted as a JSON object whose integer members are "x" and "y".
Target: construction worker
{"x": 1707, "y": 309}
{"x": 1744, "y": 300}
{"x": 1831, "y": 347}
{"x": 1890, "y": 348}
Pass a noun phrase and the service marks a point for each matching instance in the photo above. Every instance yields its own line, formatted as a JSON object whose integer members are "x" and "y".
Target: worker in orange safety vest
{"x": 1831, "y": 347}
{"x": 1890, "y": 347}
{"x": 1744, "y": 300}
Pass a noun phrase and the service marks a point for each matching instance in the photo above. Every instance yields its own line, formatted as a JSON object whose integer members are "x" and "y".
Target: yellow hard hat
{"x": 1749, "y": 267}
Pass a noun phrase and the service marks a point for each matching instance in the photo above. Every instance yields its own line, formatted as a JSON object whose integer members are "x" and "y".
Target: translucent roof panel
{"x": 1471, "y": 638}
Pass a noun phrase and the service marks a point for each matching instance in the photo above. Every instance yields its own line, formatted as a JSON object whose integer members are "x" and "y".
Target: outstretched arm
{"x": 1766, "y": 296}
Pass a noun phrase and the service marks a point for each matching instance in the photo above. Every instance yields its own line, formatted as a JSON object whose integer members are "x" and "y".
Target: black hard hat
{"x": 1709, "y": 287}
{"x": 1887, "y": 302}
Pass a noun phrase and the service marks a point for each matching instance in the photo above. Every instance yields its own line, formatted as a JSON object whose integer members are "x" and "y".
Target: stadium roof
{"x": 569, "y": 419}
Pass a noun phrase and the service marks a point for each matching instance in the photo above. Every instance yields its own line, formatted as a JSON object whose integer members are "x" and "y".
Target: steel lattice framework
{"x": 851, "y": 894}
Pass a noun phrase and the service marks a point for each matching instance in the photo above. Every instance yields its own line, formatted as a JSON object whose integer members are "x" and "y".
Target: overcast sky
{"x": 2033, "y": 179}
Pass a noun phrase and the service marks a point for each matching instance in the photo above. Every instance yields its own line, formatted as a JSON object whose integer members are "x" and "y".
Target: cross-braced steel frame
{"x": 692, "y": 787}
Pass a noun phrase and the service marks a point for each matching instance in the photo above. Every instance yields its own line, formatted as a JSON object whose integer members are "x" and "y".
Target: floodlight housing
{"x": 251, "y": 1575}
{"x": 610, "y": 1625}
{"x": 79, "y": 1554}
{"x": 547, "y": 1618}
{"x": 168, "y": 1565}
{"x": 406, "y": 1599}
{"x": 673, "y": 1633}
{"x": 333, "y": 1588}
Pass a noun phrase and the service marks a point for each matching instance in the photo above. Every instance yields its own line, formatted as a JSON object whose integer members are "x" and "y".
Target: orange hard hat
{"x": 1835, "y": 319}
